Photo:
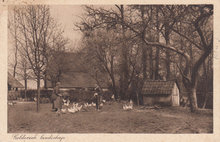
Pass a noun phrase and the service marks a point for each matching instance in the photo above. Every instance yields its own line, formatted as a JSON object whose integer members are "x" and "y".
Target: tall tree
{"x": 99, "y": 56}
{"x": 13, "y": 28}
{"x": 204, "y": 43}
{"x": 180, "y": 30}
{"x": 36, "y": 29}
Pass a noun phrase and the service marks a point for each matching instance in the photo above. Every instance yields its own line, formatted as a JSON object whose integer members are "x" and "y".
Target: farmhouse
{"x": 13, "y": 84}
{"x": 161, "y": 92}
{"x": 14, "y": 87}
{"x": 78, "y": 80}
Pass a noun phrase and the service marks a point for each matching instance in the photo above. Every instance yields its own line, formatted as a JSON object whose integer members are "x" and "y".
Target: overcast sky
{"x": 68, "y": 16}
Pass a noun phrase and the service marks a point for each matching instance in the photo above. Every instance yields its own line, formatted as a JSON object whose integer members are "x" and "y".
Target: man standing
{"x": 97, "y": 96}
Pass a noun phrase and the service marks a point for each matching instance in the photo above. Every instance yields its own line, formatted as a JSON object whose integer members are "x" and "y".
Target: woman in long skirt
{"x": 57, "y": 98}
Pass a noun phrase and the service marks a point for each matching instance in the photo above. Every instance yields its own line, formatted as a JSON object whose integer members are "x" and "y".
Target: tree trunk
{"x": 144, "y": 59}
{"x": 151, "y": 71}
{"x": 192, "y": 99}
{"x": 124, "y": 64}
{"x": 157, "y": 64}
{"x": 143, "y": 46}
{"x": 205, "y": 101}
{"x": 138, "y": 102}
{"x": 16, "y": 46}
{"x": 157, "y": 58}
{"x": 114, "y": 88}
{"x": 168, "y": 61}
{"x": 205, "y": 86}
{"x": 38, "y": 92}
{"x": 45, "y": 80}
{"x": 25, "y": 89}
{"x": 168, "y": 65}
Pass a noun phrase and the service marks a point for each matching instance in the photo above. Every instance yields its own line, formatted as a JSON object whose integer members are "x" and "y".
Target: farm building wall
{"x": 157, "y": 99}
{"x": 162, "y": 93}
{"x": 175, "y": 96}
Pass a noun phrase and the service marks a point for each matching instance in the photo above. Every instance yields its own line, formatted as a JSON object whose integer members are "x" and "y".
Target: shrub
{"x": 44, "y": 100}
{"x": 73, "y": 95}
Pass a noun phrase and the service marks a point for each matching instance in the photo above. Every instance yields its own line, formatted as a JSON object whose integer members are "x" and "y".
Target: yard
{"x": 23, "y": 118}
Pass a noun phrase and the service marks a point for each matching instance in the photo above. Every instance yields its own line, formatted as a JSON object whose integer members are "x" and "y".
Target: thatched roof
{"x": 74, "y": 74}
{"x": 157, "y": 87}
{"x": 77, "y": 80}
{"x": 14, "y": 83}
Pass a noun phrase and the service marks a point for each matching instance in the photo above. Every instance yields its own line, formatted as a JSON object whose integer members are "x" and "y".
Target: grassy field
{"x": 23, "y": 118}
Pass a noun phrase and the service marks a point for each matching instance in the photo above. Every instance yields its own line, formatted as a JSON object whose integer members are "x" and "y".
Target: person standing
{"x": 97, "y": 97}
{"x": 57, "y": 98}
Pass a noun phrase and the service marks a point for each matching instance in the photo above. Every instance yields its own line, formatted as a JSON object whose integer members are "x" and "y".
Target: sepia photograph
{"x": 119, "y": 68}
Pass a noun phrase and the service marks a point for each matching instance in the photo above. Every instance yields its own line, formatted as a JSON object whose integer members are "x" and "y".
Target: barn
{"x": 14, "y": 87}
{"x": 161, "y": 92}
{"x": 77, "y": 80}
{"x": 13, "y": 84}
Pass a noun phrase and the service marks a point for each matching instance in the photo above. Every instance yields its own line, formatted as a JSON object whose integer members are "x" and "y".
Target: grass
{"x": 23, "y": 118}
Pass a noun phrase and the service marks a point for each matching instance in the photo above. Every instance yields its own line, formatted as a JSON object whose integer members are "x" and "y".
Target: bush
{"x": 31, "y": 94}
{"x": 73, "y": 95}
{"x": 85, "y": 95}
{"x": 44, "y": 100}
{"x": 13, "y": 95}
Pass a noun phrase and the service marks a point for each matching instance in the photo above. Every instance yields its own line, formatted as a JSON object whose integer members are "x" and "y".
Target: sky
{"x": 67, "y": 16}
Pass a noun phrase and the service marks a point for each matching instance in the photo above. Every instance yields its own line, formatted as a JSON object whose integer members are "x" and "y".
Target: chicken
{"x": 93, "y": 104}
{"x": 72, "y": 110}
{"x": 89, "y": 105}
{"x": 79, "y": 108}
{"x": 113, "y": 96}
{"x": 35, "y": 99}
{"x": 86, "y": 104}
{"x": 127, "y": 107}
{"x": 11, "y": 103}
{"x": 67, "y": 103}
{"x": 63, "y": 110}
{"x": 75, "y": 108}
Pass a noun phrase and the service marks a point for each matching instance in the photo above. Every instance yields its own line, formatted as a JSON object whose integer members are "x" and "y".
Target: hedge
{"x": 73, "y": 95}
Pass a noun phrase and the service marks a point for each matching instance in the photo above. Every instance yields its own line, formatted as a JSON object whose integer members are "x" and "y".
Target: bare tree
{"x": 164, "y": 21}
{"x": 36, "y": 28}
{"x": 100, "y": 55}
{"x": 13, "y": 28}
{"x": 190, "y": 77}
{"x": 57, "y": 60}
